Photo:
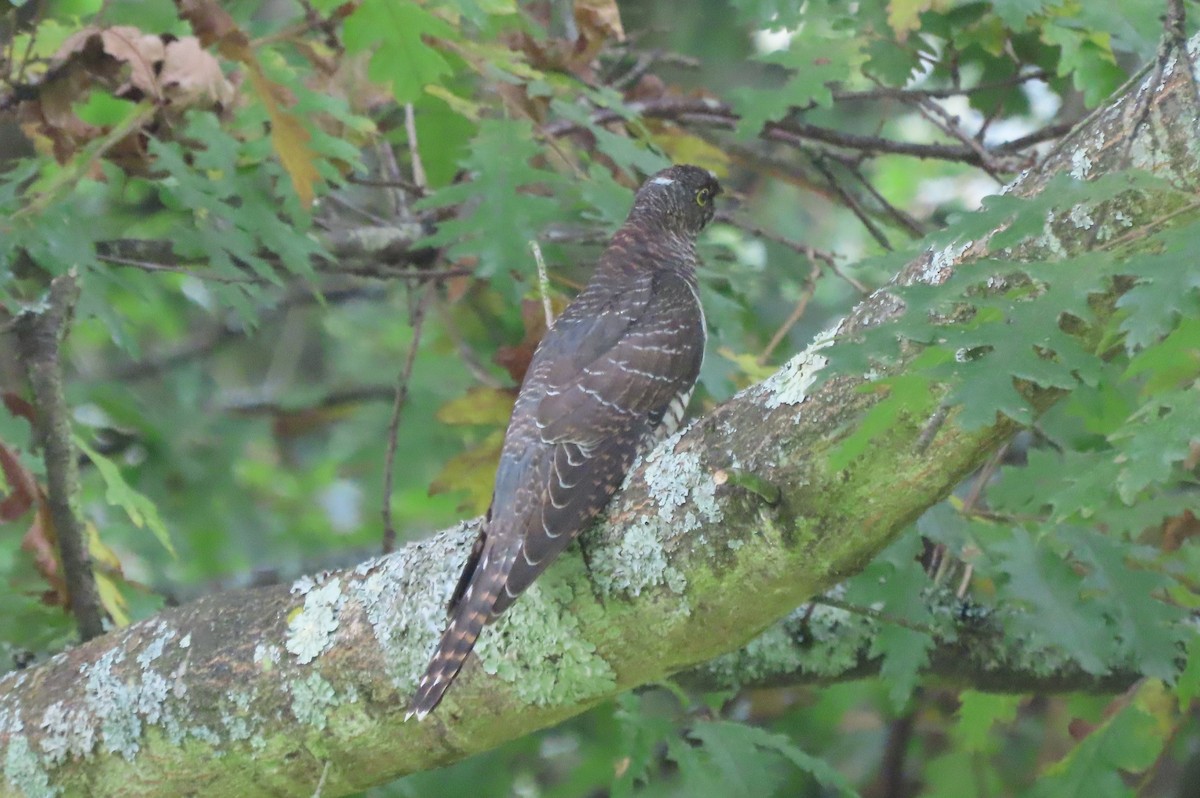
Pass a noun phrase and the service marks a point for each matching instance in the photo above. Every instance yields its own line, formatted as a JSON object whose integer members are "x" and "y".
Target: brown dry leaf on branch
{"x": 131, "y": 65}
{"x": 39, "y": 540}
{"x": 515, "y": 359}
{"x": 213, "y": 25}
{"x": 22, "y": 487}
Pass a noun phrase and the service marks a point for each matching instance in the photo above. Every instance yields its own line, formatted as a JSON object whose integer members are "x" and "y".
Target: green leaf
{"x": 401, "y": 58}
{"x": 907, "y": 394}
{"x": 895, "y": 583}
{"x": 1087, "y": 56}
{"x": 1049, "y": 589}
{"x": 816, "y": 57}
{"x": 1016, "y": 13}
{"x": 141, "y": 511}
{"x": 505, "y": 206}
{"x": 641, "y": 734}
{"x": 734, "y": 748}
{"x": 1128, "y": 741}
{"x": 1167, "y": 288}
{"x": 1160, "y": 436}
{"x": 1126, "y": 590}
{"x": 1171, "y": 362}
{"x": 978, "y": 713}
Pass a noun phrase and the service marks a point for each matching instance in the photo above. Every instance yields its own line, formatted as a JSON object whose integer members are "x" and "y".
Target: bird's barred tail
{"x": 470, "y": 616}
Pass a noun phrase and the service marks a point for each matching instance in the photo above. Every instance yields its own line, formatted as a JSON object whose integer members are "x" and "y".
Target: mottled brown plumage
{"x": 612, "y": 375}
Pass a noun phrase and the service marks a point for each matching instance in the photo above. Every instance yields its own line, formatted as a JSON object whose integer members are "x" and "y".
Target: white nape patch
{"x": 663, "y": 181}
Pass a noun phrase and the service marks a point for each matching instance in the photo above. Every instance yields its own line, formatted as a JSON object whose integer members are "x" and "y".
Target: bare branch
{"x": 418, "y": 321}
{"x": 40, "y": 333}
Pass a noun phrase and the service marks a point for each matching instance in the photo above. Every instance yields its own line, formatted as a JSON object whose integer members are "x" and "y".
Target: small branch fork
{"x": 714, "y": 113}
{"x": 39, "y": 334}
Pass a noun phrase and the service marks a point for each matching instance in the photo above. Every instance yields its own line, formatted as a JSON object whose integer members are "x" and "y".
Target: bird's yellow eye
{"x": 702, "y": 197}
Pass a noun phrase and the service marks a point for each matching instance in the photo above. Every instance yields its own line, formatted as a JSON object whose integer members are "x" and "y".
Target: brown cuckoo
{"x": 611, "y": 377}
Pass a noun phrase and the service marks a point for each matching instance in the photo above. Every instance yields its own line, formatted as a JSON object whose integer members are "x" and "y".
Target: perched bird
{"x": 611, "y": 377}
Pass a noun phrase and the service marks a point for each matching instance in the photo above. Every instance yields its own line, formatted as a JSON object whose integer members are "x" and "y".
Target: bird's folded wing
{"x": 592, "y": 419}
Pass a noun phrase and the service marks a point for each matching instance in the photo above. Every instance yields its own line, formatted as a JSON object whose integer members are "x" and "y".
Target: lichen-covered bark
{"x": 819, "y": 643}
{"x": 262, "y": 692}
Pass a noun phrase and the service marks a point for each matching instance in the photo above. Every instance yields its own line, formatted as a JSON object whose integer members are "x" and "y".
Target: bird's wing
{"x": 593, "y": 415}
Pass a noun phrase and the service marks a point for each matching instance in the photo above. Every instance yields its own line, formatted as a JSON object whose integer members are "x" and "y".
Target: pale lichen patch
{"x": 312, "y": 698}
{"x": 405, "y": 597}
{"x": 1081, "y": 217}
{"x": 814, "y": 641}
{"x": 635, "y": 564}
{"x": 23, "y": 769}
{"x": 668, "y": 475}
{"x": 302, "y": 585}
{"x": 115, "y": 703}
{"x": 154, "y": 649}
{"x": 941, "y": 264}
{"x": 1049, "y": 240}
{"x": 237, "y": 723}
{"x": 672, "y": 478}
{"x": 1081, "y": 164}
{"x": 538, "y": 648}
{"x": 310, "y": 632}
{"x": 790, "y": 385}
{"x": 267, "y": 655}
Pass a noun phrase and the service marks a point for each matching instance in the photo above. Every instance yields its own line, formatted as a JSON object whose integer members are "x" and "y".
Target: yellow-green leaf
{"x": 141, "y": 511}
{"x": 473, "y": 471}
{"x": 478, "y": 406}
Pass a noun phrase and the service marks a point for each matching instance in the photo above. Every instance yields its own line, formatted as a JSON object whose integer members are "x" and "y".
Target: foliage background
{"x": 277, "y": 205}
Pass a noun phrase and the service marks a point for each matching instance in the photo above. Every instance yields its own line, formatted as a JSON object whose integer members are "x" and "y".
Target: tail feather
{"x": 471, "y": 614}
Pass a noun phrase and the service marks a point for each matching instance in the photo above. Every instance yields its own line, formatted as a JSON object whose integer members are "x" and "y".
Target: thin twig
{"x": 902, "y": 218}
{"x": 853, "y": 205}
{"x": 410, "y": 126}
{"x": 466, "y": 354}
{"x": 810, "y": 288}
{"x": 400, "y": 183}
{"x": 209, "y": 339}
{"x": 390, "y": 168}
{"x": 39, "y": 335}
{"x": 543, "y": 283}
{"x": 949, "y": 124}
{"x": 418, "y": 318}
{"x": 886, "y": 93}
{"x": 321, "y": 783}
{"x": 794, "y": 133}
{"x": 345, "y": 396}
{"x": 931, "y": 428}
{"x": 827, "y": 259}
{"x": 150, "y": 266}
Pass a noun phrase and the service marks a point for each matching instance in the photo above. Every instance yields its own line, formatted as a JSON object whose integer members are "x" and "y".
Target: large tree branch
{"x": 289, "y": 686}
{"x": 820, "y": 643}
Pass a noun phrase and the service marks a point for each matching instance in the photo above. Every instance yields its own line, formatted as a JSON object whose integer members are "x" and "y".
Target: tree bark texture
{"x": 261, "y": 692}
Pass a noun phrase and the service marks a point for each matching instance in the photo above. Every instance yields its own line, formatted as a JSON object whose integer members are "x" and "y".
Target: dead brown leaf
{"x": 22, "y": 487}
{"x": 213, "y": 25}
{"x": 191, "y": 77}
{"x": 41, "y": 543}
{"x": 515, "y": 359}
{"x": 175, "y": 74}
{"x": 599, "y": 20}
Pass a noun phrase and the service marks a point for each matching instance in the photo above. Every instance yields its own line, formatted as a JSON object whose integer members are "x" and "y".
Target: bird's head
{"x": 679, "y": 199}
